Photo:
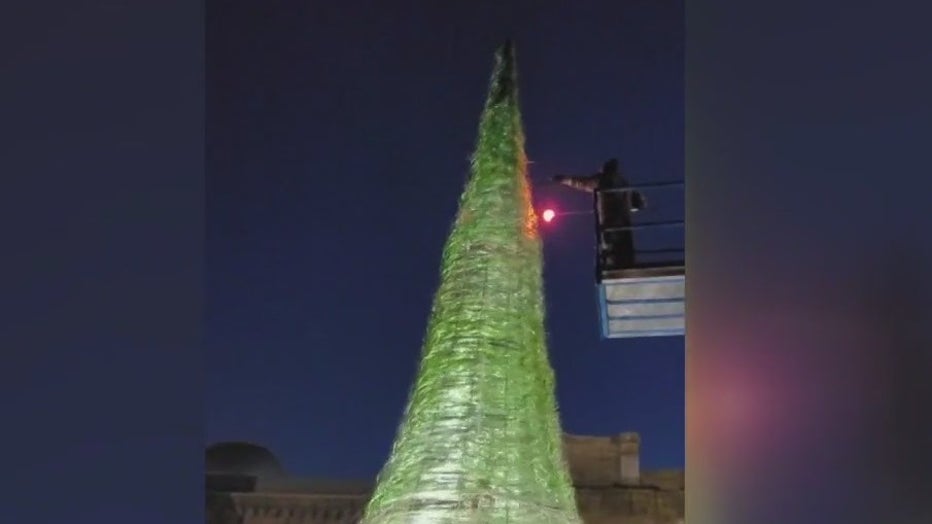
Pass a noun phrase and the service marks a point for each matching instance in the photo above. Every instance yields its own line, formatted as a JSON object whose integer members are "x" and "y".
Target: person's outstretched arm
{"x": 582, "y": 183}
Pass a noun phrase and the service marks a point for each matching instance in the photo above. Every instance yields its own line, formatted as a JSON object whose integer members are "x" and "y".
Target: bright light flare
{"x": 548, "y": 215}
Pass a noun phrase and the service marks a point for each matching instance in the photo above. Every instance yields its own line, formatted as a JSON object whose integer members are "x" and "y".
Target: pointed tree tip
{"x": 507, "y": 49}
{"x": 504, "y": 79}
{"x": 506, "y": 58}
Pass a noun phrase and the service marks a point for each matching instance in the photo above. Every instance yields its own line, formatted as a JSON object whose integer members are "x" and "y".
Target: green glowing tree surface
{"x": 481, "y": 441}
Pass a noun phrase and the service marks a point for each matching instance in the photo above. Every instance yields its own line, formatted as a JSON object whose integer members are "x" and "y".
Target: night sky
{"x": 338, "y": 145}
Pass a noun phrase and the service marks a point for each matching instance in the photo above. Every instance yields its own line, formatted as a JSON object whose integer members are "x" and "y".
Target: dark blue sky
{"x": 338, "y": 140}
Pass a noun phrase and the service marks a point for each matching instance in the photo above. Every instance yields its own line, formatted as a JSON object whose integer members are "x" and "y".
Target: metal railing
{"x": 602, "y": 244}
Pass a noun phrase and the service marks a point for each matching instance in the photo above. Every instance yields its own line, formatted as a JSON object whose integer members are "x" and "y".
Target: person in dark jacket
{"x": 614, "y": 209}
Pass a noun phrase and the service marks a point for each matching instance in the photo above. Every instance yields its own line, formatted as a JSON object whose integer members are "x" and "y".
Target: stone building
{"x": 246, "y": 484}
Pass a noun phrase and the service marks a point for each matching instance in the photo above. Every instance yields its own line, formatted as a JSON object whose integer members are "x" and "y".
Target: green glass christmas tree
{"x": 481, "y": 441}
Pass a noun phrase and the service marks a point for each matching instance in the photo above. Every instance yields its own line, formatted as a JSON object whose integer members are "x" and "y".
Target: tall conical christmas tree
{"x": 481, "y": 439}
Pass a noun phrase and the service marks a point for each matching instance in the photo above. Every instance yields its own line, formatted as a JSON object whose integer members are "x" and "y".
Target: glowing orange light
{"x": 548, "y": 215}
